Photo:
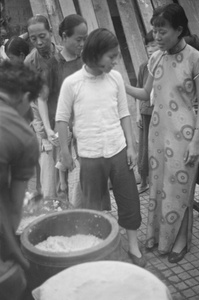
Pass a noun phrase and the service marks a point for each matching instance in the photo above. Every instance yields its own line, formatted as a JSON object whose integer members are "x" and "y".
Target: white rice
{"x": 76, "y": 242}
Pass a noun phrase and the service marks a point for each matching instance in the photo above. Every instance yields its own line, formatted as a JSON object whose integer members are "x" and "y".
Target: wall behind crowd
{"x": 128, "y": 19}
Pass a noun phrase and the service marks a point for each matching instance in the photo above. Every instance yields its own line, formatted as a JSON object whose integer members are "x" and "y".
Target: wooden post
{"x": 38, "y": 7}
{"x": 146, "y": 11}
{"x": 67, "y": 7}
{"x": 87, "y": 12}
{"x": 132, "y": 32}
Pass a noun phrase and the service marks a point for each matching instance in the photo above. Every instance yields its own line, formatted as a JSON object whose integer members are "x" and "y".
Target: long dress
{"x": 172, "y": 183}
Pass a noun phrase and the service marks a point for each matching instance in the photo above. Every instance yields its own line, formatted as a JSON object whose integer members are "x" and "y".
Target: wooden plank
{"x": 157, "y": 3}
{"x": 67, "y": 7}
{"x": 191, "y": 8}
{"x": 146, "y": 11}
{"x": 55, "y": 17}
{"x": 87, "y": 11}
{"x": 132, "y": 33}
{"x": 38, "y": 7}
{"x": 104, "y": 20}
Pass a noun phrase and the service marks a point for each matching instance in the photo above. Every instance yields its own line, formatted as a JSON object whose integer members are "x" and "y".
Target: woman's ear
{"x": 64, "y": 36}
{"x": 26, "y": 98}
{"x": 180, "y": 30}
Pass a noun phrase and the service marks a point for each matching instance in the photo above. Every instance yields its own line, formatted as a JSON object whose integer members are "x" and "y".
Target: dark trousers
{"x": 94, "y": 174}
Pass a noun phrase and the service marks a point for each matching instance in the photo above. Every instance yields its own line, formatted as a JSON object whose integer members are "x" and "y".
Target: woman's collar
{"x": 90, "y": 75}
{"x": 178, "y": 47}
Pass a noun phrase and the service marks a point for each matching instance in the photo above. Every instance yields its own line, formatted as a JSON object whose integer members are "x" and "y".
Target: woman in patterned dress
{"x": 173, "y": 83}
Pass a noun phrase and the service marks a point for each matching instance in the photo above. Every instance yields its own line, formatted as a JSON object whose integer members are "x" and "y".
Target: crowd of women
{"x": 79, "y": 114}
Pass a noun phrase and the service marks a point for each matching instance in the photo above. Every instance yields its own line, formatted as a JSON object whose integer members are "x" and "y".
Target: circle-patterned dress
{"x": 171, "y": 130}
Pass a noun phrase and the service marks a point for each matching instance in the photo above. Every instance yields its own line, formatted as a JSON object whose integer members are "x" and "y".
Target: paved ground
{"x": 182, "y": 278}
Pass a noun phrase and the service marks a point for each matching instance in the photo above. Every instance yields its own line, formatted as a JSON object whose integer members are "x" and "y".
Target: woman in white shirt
{"x": 96, "y": 96}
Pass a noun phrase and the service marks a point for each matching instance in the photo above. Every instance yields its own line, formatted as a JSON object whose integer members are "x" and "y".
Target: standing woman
{"x": 44, "y": 111}
{"x": 96, "y": 97}
{"x": 73, "y": 31}
{"x": 173, "y": 133}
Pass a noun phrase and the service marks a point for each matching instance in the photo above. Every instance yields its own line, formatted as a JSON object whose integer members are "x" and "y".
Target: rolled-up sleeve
{"x": 65, "y": 102}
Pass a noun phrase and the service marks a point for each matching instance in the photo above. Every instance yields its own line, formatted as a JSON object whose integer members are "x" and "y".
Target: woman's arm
{"x": 131, "y": 151}
{"x": 138, "y": 115}
{"x": 192, "y": 151}
{"x": 43, "y": 111}
{"x": 141, "y": 93}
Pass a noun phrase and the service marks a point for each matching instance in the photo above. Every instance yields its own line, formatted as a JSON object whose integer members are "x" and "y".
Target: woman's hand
{"x": 192, "y": 153}
{"x": 68, "y": 161}
{"x": 131, "y": 158}
{"x": 139, "y": 121}
{"x": 52, "y": 137}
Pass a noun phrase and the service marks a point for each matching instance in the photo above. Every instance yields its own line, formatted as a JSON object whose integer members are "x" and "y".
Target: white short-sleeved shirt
{"x": 98, "y": 104}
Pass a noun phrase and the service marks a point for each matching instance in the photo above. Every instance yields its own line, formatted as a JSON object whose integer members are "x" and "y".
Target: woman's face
{"x": 40, "y": 38}
{"x": 166, "y": 36}
{"x": 108, "y": 61}
{"x": 74, "y": 44}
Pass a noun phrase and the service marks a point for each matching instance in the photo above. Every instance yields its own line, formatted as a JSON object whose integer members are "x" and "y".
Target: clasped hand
{"x": 68, "y": 162}
{"x": 53, "y": 138}
{"x": 131, "y": 158}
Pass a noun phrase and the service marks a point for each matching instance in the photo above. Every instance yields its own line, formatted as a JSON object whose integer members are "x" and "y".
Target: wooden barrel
{"x": 45, "y": 264}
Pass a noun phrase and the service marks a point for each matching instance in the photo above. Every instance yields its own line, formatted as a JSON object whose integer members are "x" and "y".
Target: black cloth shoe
{"x": 138, "y": 261}
{"x": 175, "y": 257}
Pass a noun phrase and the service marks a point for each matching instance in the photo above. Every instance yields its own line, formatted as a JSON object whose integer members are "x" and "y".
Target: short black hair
{"x": 99, "y": 42}
{"x": 16, "y": 78}
{"x": 69, "y": 23}
{"x": 172, "y": 13}
{"x": 16, "y": 45}
{"x": 39, "y": 19}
